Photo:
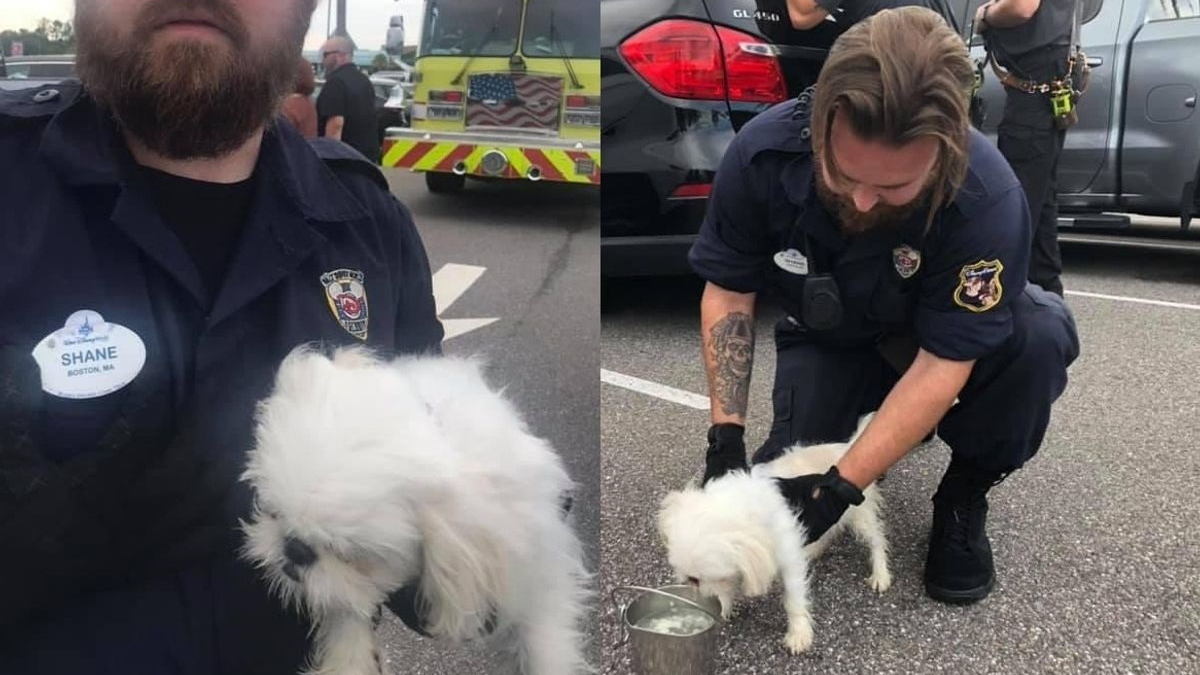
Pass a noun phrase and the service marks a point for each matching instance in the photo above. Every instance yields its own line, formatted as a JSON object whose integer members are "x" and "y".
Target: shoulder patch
{"x": 34, "y": 102}
{"x": 338, "y": 155}
{"x": 979, "y": 286}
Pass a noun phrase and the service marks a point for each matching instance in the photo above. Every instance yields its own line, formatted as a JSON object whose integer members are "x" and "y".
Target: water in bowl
{"x": 676, "y": 621}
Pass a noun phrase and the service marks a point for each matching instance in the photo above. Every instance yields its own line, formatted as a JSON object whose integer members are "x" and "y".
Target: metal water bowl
{"x": 656, "y": 653}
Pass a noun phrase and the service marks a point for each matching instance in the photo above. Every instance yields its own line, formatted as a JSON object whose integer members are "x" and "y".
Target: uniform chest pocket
{"x": 788, "y": 287}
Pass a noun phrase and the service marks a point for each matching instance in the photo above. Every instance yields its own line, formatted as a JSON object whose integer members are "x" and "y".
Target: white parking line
{"x": 449, "y": 284}
{"x": 451, "y": 281}
{"x": 655, "y": 389}
{"x": 1140, "y": 301}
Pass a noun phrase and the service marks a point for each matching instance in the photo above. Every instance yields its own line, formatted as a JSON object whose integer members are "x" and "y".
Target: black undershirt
{"x": 206, "y": 217}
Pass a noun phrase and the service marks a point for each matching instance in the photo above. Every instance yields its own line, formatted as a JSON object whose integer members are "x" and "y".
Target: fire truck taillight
{"x": 446, "y": 96}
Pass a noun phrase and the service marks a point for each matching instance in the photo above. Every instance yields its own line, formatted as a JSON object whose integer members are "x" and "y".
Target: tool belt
{"x": 1063, "y": 93}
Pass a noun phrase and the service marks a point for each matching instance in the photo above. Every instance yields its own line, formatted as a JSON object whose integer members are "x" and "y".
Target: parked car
{"x": 390, "y": 103}
{"x": 1136, "y": 147}
{"x": 669, "y": 113}
{"x": 22, "y": 72}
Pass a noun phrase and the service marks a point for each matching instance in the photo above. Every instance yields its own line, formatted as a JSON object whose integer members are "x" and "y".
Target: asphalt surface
{"x": 540, "y": 245}
{"x": 1096, "y": 540}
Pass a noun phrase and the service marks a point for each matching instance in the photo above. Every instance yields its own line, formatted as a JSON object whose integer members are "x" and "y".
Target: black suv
{"x": 679, "y": 79}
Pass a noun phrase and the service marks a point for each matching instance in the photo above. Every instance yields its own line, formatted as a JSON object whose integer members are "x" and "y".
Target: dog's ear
{"x": 461, "y": 575}
{"x": 668, "y": 512}
{"x": 755, "y": 559}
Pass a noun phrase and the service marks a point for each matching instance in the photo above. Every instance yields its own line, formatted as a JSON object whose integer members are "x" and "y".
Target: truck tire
{"x": 1189, "y": 203}
{"x": 444, "y": 183}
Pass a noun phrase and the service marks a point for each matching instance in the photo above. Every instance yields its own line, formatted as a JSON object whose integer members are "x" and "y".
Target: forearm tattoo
{"x": 731, "y": 344}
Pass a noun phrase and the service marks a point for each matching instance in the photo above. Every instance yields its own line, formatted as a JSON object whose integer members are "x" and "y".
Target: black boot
{"x": 959, "y": 568}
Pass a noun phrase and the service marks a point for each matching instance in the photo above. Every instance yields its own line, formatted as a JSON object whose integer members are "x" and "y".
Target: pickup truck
{"x": 1136, "y": 147}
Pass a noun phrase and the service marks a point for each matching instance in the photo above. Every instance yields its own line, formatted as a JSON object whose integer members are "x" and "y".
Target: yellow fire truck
{"x": 504, "y": 90}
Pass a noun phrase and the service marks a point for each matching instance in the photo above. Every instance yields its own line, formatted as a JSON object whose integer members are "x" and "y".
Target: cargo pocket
{"x": 1021, "y": 144}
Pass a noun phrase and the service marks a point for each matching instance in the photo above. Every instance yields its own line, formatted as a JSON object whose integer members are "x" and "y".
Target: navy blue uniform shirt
{"x": 950, "y": 285}
{"x": 97, "y": 492}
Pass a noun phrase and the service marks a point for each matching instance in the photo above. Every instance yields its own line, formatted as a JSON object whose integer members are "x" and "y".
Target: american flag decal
{"x": 517, "y": 101}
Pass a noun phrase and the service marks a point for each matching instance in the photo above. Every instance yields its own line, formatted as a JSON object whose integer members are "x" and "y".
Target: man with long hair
{"x": 166, "y": 240}
{"x": 897, "y": 240}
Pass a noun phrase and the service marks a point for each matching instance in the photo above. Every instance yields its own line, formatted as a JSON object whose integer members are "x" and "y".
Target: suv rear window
{"x": 470, "y": 27}
{"x": 562, "y": 28}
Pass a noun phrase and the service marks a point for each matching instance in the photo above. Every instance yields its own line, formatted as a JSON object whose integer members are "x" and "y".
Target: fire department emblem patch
{"x": 347, "y": 298}
{"x": 979, "y": 286}
{"x": 907, "y": 260}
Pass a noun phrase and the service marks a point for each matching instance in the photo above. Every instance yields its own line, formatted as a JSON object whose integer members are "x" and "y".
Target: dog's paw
{"x": 799, "y": 636}
{"x": 880, "y": 581}
{"x": 728, "y": 605}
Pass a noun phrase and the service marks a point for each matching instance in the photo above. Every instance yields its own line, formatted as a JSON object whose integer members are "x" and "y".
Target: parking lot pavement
{"x": 1097, "y": 540}
{"x": 538, "y": 246}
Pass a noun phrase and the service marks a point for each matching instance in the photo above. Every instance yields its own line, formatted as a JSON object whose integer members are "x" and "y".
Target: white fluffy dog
{"x": 372, "y": 475}
{"x": 739, "y": 532}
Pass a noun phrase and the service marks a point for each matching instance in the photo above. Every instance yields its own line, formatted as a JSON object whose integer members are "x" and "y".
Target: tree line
{"x": 50, "y": 37}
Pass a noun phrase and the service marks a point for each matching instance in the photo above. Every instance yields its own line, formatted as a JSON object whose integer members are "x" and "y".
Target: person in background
{"x": 346, "y": 106}
{"x": 298, "y": 108}
{"x": 1032, "y": 40}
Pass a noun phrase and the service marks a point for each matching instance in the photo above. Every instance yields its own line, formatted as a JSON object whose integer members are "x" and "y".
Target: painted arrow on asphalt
{"x": 449, "y": 284}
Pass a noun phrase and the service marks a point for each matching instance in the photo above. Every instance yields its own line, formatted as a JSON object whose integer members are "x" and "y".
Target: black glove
{"x": 726, "y": 451}
{"x": 819, "y": 500}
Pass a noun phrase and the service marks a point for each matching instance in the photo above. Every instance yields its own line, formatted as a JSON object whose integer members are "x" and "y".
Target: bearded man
{"x": 873, "y": 212}
{"x": 165, "y": 241}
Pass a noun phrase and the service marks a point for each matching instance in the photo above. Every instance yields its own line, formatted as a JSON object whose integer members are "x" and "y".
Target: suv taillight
{"x": 683, "y": 58}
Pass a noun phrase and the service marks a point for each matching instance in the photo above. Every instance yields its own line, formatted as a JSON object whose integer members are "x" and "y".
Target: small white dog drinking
{"x": 738, "y": 534}
{"x": 371, "y": 475}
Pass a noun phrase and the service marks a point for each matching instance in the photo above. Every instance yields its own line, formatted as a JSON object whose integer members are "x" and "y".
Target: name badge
{"x": 89, "y": 357}
{"x": 792, "y": 261}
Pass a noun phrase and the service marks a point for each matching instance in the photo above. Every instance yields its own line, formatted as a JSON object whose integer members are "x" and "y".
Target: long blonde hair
{"x": 900, "y": 75}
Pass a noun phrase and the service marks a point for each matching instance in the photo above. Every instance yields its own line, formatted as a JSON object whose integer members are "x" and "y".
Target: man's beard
{"x": 188, "y": 98}
{"x": 852, "y": 220}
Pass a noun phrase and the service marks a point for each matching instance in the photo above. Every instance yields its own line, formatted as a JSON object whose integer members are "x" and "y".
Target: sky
{"x": 367, "y": 20}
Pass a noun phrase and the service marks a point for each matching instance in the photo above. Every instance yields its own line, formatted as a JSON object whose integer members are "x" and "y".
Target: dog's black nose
{"x": 298, "y": 553}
